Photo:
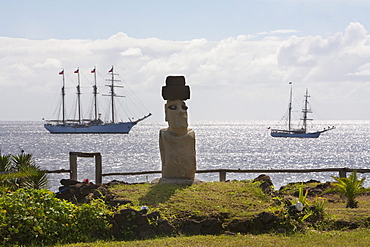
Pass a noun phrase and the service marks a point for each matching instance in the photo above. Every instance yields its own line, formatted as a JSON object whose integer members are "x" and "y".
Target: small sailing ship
{"x": 95, "y": 125}
{"x": 300, "y": 132}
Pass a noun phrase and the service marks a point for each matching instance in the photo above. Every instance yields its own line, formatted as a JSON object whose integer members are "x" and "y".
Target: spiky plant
{"x": 5, "y": 163}
{"x": 6, "y": 175}
{"x": 33, "y": 177}
{"x": 22, "y": 160}
{"x": 7, "y": 181}
{"x": 350, "y": 188}
{"x": 302, "y": 196}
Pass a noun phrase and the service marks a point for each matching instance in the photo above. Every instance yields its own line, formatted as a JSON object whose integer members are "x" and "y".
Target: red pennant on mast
{"x": 93, "y": 70}
{"x": 76, "y": 71}
{"x": 61, "y": 72}
{"x": 111, "y": 70}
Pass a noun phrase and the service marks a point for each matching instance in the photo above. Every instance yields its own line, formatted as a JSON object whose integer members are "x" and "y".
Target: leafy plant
{"x": 302, "y": 196}
{"x": 304, "y": 213}
{"x": 5, "y": 162}
{"x": 34, "y": 178}
{"x": 319, "y": 207}
{"x": 5, "y": 178}
{"x": 350, "y": 188}
{"x": 7, "y": 173}
{"x": 36, "y": 217}
{"x": 20, "y": 171}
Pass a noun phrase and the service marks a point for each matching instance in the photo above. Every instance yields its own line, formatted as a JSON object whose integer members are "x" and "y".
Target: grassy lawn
{"x": 215, "y": 199}
{"x": 332, "y": 238}
{"x": 235, "y": 199}
{"x": 238, "y": 200}
{"x": 338, "y": 209}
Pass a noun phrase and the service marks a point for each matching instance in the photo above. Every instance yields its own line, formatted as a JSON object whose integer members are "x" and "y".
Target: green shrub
{"x": 22, "y": 172}
{"x": 350, "y": 188}
{"x": 304, "y": 213}
{"x": 36, "y": 217}
{"x": 5, "y": 162}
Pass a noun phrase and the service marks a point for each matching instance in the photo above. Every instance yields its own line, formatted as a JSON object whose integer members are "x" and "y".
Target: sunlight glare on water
{"x": 228, "y": 145}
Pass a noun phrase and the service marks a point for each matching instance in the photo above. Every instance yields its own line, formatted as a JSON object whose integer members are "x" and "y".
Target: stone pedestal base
{"x": 179, "y": 181}
{"x": 177, "y": 154}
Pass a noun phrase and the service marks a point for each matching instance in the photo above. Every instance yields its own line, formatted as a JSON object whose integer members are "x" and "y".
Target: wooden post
{"x": 98, "y": 169}
{"x": 222, "y": 176}
{"x": 73, "y": 165}
{"x": 342, "y": 173}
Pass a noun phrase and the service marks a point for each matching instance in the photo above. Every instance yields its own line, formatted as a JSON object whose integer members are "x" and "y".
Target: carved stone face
{"x": 176, "y": 115}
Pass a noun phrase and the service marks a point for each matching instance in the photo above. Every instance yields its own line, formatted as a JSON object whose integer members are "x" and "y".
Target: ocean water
{"x": 231, "y": 145}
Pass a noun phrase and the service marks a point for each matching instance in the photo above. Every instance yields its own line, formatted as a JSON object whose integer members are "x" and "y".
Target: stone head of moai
{"x": 176, "y": 92}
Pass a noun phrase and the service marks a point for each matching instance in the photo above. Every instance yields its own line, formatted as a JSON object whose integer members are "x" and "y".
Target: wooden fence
{"x": 222, "y": 172}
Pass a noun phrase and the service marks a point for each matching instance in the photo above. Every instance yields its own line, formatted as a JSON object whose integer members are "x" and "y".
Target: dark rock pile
{"x": 266, "y": 183}
{"x": 311, "y": 190}
{"x": 82, "y": 192}
{"x": 130, "y": 223}
{"x": 263, "y": 222}
{"x": 209, "y": 226}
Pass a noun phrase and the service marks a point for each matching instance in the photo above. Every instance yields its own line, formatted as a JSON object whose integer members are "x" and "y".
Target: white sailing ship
{"x": 95, "y": 125}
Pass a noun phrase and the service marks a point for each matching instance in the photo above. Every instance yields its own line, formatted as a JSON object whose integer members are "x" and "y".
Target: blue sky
{"x": 176, "y": 20}
{"x": 237, "y": 56}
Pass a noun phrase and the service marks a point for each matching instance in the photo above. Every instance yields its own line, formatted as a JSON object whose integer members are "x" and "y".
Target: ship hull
{"x": 108, "y": 128}
{"x": 296, "y": 135}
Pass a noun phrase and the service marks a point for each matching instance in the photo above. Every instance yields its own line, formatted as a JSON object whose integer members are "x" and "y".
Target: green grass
{"x": 221, "y": 200}
{"x": 292, "y": 188}
{"x": 236, "y": 199}
{"x": 338, "y": 210}
{"x": 359, "y": 237}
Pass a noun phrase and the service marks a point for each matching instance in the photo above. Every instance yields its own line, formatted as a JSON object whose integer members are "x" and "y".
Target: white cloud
{"x": 135, "y": 52}
{"x": 281, "y": 31}
{"x": 326, "y": 59}
{"x": 244, "y": 77}
{"x": 363, "y": 70}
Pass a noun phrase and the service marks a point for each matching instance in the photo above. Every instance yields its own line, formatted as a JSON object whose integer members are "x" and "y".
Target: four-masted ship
{"x": 95, "y": 125}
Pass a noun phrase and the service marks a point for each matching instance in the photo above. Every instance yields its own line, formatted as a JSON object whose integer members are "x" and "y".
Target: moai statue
{"x": 177, "y": 142}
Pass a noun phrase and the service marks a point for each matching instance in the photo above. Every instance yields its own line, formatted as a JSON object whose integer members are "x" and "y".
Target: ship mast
{"x": 306, "y": 110}
{"x": 112, "y": 93}
{"x": 95, "y": 88}
{"x": 78, "y": 96}
{"x": 290, "y": 107}
{"x": 63, "y": 97}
